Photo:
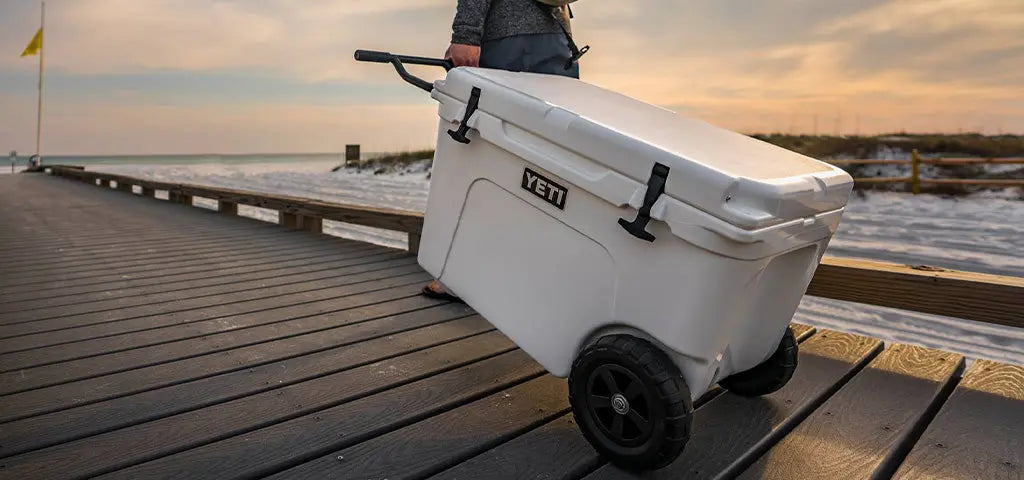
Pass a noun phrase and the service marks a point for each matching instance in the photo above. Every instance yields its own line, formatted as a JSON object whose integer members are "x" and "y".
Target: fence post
{"x": 915, "y": 179}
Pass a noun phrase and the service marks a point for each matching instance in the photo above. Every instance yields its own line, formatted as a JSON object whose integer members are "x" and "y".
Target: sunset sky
{"x": 240, "y": 76}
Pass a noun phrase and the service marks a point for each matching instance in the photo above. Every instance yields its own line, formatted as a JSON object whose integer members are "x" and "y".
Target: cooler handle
{"x": 398, "y": 60}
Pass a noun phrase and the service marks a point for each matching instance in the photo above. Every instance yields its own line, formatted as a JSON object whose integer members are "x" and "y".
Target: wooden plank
{"x": 195, "y": 263}
{"x": 324, "y": 407}
{"x": 865, "y": 429}
{"x": 977, "y": 434}
{"x": 731, "y": 432}
{"x": 161, "y": 334}
{"x": 314, "y": 356}
{"x": 299, "y": 257}
{"x": 149, "y": 255}
{"x": 974, "y": 161}
{"x": 13, "y": 319}
{"x": 86, "y": 359}
{"x": 143, "y": 317}
{"x": 974, "y": 296}
{"x": 412, "y": 452}
{"x": 980, "y": 182}
{"x": 266, "y": 276}
{"x": 883, "y": 180}
{"x": 317, "y": 298}
{"x": 556, "y": 450}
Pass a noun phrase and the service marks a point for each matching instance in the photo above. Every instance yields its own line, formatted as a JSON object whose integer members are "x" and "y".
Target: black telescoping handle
{"x": 398, "y": 60}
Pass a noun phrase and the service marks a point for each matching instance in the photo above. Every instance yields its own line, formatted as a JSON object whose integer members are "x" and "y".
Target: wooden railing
{"x": 293, "y": 212}
{"x": 915, "y": 180}
{"x": 980, "y": 297}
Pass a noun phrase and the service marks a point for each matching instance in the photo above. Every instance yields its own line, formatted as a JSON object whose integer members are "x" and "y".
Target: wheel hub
{"x": 620, "y": 404}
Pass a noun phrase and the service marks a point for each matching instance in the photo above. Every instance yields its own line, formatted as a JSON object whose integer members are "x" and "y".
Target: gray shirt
{"x": 477, "y": 21}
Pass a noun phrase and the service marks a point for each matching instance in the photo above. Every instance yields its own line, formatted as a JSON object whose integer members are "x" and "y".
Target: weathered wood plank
{"x": 556, "y": 450}
{"x": 265, "y": 276}
{"x": 301, "y": 257}
{"x": 31, "y": 391}
{"x": 296, "y": 301}
{"x": 974, "y": 296}
{"x": 12, "y": 319}
{"x": 312, "y": 356}
{"x": 411, "y": 452}
{"x": 88, "y": 359}
{"x": 730, "y": 432}
{"x": 357, "y": 274}
{"x": 315, "y": 405}
{"x": 978, "y": 432}
{"x": 865, "y": 429}
{"x": 242, "y": 255}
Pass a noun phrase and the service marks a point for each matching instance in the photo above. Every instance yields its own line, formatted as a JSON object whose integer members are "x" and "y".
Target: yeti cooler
{"x": 589, "y": 227}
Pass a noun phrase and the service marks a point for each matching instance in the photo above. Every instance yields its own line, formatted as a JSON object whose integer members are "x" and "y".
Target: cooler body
{"x": 525, "y": 228}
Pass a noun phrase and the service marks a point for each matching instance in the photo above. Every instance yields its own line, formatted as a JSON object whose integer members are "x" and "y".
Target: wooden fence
{"x": 915, "y": 180}
{"x": 980, "y": 297}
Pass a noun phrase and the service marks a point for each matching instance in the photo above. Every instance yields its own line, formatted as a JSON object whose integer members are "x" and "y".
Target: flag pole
{"x": 39, "y": 107}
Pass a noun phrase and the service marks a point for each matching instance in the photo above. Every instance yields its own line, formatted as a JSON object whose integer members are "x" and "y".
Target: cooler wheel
{"x": 770, "y": 375}
{"x": 631, "y": 402}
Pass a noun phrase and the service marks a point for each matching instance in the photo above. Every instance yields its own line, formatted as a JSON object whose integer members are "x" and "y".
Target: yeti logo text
{"x": 542, "y": 187}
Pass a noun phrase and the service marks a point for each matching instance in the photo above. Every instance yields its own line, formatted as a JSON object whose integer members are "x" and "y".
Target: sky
{"x": 248, "y": 76}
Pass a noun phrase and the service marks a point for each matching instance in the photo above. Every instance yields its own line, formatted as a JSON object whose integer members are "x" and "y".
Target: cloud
{"x": 867, "y": 65}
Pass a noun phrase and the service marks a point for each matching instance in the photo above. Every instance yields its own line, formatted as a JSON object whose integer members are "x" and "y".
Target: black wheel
{"x": 631, "y": 402}
{"x": 768, "y": 376}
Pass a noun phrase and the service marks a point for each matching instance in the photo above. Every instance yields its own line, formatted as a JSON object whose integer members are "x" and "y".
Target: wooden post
{"x": 351, "y": 153}
{"x": 124, "y": 187}
{"x": 178, "y": 197}
{"x": 287, "y": 220}
{"x": 414, "y": 242}
{"x": 227, "y": 208}
{"x": 915, "y": 178}
{"x": 312, "y": 224}
{"x": 148, "y": 192}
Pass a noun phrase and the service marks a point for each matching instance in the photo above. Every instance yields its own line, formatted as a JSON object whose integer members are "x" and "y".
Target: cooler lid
{"x": 737, "y": 178}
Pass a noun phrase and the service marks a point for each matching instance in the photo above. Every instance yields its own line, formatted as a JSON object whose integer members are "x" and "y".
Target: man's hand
{"x": 463, "y": 55}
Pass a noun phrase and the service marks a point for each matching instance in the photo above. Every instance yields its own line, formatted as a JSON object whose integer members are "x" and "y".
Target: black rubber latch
{"x": 655, "y": 187}
{"x": 460, "y": 134}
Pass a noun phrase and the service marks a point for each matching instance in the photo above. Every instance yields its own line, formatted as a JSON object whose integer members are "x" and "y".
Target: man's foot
{"x": 436, "y": 291}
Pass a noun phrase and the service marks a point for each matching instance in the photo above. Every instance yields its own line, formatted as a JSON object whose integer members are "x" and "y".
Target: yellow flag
{"x": 35, "y": 45}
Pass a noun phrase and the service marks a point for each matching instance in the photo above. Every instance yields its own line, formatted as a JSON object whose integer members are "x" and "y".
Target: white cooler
{"x": 523, "y": 223}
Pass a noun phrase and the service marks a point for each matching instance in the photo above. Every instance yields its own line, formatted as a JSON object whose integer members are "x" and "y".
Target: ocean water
{"x": 983, "y": 233}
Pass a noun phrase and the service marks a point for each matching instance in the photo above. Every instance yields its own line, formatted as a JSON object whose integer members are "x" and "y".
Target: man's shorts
{"x": 536, "y": 53}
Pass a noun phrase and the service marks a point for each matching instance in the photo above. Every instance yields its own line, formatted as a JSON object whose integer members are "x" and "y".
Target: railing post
{"x": 178, "y": 197}
{"x": 311, "y": 224}
{"x": 915, "y": 178}
{"x": 287, "y": 220}
{"x": 227, "y": 208}
{"x": 124, "y": 186}
{"x": 148, "y": 191}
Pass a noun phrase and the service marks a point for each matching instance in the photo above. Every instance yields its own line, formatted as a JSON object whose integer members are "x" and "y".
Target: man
{"x": 514, "y": 35}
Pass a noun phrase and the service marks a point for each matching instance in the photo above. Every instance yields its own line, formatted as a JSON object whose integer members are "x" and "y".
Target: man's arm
{"x": 467, "y": 32}
{"x": 468, "y": 27}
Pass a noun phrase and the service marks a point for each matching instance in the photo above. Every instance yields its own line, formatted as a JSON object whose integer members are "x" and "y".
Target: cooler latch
{"x": 655, "y": 187}
{"x": 460, "y": 134}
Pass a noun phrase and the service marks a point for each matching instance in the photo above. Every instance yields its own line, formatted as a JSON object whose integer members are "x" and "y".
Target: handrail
{"x": 298, "y": 212}
{"x": 974, "y": 296}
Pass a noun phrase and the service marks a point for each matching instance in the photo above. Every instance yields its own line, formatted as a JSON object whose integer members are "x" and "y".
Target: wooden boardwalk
{"x": 145, "y": 339}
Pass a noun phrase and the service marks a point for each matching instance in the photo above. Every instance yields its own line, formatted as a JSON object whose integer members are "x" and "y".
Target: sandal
{"x": 433, "y": 290}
